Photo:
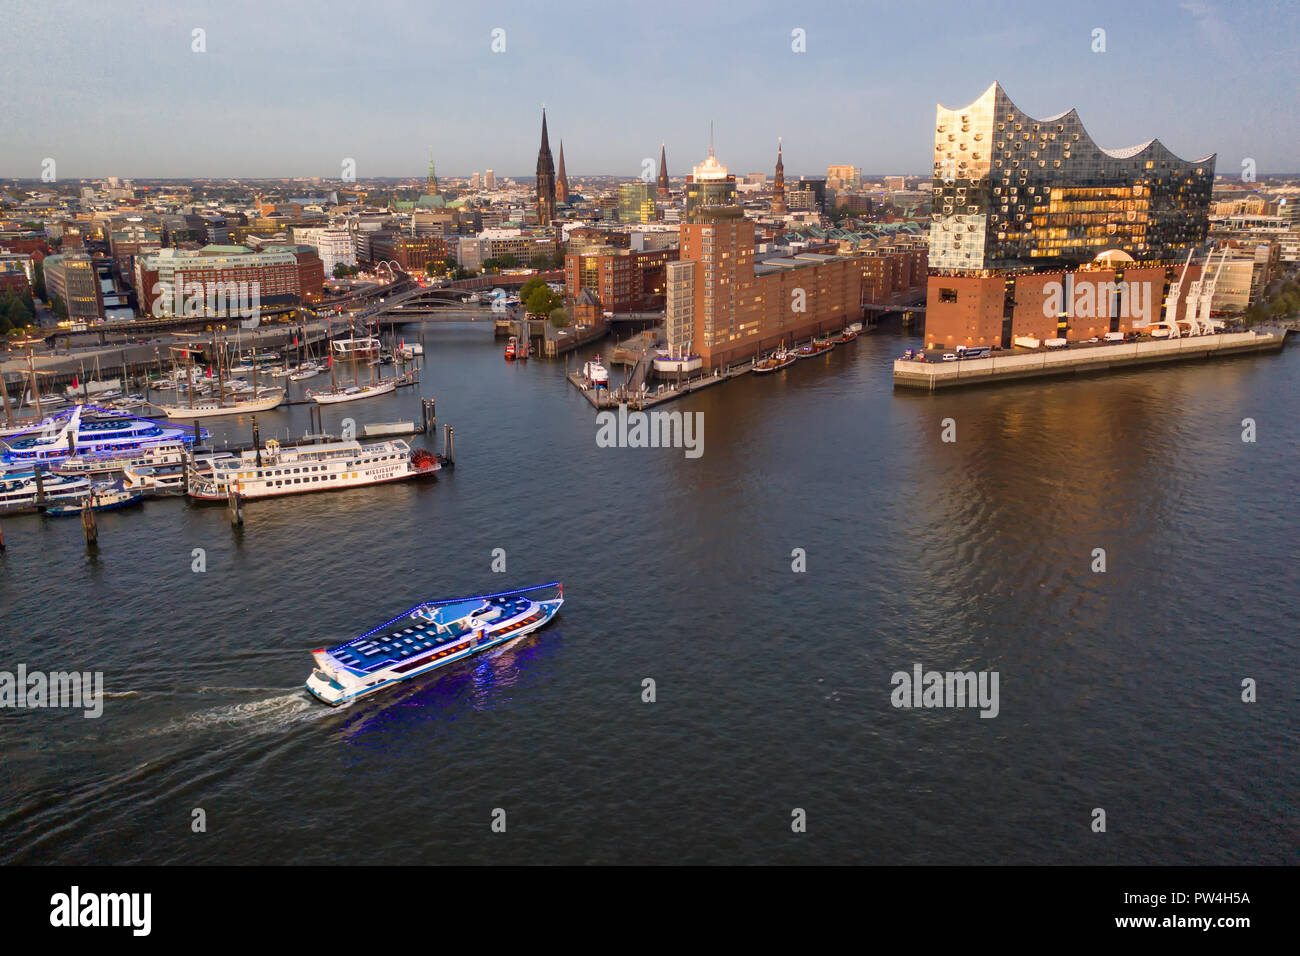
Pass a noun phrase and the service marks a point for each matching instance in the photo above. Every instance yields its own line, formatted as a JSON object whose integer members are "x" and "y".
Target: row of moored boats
{"x": 97, "y": 457}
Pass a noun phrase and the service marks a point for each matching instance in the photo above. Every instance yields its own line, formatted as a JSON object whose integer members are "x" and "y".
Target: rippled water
{"x": 1118, "y": 690}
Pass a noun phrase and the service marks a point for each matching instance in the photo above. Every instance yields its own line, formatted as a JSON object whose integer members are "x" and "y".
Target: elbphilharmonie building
{"x": 1015, "y": 192}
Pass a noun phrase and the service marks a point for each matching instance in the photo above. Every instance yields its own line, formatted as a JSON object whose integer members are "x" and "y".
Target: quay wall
{"x": 1009, "y": 367}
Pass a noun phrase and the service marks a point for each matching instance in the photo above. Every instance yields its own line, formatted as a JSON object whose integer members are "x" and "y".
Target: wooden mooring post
{"x": 430, "y": 418}
{"x": 235, "y": 502}
{"x": 88, "y": 525}
{"x": 2, "y": 538}
{"x": 448, "y": 445}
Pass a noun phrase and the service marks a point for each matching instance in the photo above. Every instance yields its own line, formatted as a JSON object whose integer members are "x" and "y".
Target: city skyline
{"x": 348, "y": 87}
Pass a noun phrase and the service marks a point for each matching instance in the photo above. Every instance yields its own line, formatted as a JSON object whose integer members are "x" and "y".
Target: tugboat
{"x": 851, "y": 332}
{"x": 814, "y": 348}
{"x": 511, "y": 348}
{"x": 775, "y": 362}
{"x": 428, "y": 636}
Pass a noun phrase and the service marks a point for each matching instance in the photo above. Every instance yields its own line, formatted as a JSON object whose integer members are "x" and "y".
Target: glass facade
{"x": 1011, "y": 191}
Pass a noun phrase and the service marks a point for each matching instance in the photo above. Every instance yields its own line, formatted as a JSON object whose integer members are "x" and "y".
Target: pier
{"x": 642, "y": 398}
{"x": 1079, "y": 359}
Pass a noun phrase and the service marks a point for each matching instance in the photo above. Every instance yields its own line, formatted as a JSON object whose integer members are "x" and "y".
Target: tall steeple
{"x": 432, "y": 186}
{"x": 561, "y": 180}
{"x": 778, "y": 183}
{"x": 663, "y": 190}
{"x": 545, "y": 179}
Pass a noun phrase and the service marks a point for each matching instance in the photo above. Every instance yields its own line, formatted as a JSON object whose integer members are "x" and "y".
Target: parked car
{"x": 950, "y": 356}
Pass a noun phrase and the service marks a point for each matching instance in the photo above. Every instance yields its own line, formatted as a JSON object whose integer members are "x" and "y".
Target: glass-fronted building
{"x": 1013, "y": 192}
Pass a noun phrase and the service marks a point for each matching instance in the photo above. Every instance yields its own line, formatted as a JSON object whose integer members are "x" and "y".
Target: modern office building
{"x": 1011, "y": 191}
{"x": 635, "y": 202}
{"x": 334, "y": 246}
{"x": 845, "y": 176}
{"x": 72, "y": 278}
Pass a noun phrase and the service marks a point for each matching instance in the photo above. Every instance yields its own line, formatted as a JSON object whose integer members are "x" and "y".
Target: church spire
{"x": 545, "y": 179}
{"x": 561, "y": 179}
{"x": 663, "y": 190}
{"x": 433, "y": 178}
{"x": 778, "y": 183}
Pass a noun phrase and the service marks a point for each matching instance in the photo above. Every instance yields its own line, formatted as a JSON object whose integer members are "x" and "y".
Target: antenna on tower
{"x": 710, "y": 137}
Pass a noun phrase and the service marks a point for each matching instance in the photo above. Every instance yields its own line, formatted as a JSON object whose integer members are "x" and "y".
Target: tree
{"x": 559, "y": 318}
{"x": 38, "y": 282}
{"x": 509, "y": 261}
{"x": 529, "y": 287}
{"x": 541, "y": 301}
{"x": 491, "y": 265}
{"x": 60, "y": 309}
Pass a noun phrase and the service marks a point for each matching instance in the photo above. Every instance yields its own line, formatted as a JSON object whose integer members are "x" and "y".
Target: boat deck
{"x": 373, "y": 652}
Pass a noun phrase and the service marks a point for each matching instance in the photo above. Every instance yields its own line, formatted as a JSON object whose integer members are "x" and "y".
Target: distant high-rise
{"x": 663, "y": 191}
{"x": 709, "y": 185}
{"x": 491, "y": 180}
{"x": 561, "y": 180}
{"x": 635, "y": 203}
{"x": 545, "y": 179}
{"x": 778, "y": 183}
{"x": 477, "y": 181}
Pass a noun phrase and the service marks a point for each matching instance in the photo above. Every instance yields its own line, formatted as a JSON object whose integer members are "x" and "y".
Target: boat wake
{"x": 265, "y": 715}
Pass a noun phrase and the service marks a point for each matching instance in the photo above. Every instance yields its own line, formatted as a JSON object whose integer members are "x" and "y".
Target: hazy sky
{"x": 293, "y": 88}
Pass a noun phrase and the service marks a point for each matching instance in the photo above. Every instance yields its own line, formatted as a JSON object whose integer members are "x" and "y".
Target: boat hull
{"x": 216, "y": 411}
{"x": 370, "y": 391}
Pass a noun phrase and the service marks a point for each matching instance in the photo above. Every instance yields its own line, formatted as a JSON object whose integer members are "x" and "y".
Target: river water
{"x": 1118, "y": 690}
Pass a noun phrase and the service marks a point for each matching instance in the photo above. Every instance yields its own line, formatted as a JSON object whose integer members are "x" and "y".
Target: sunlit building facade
{"x": 1012, "y": 191}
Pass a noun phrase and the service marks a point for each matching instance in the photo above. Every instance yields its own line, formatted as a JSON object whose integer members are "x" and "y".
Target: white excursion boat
{"x": 72, "y": 432}
{"x": 275, "y": 471}
{"x": 162, "y": 479}
{"x": 104, "y": 463}
{"x": 264, "y": 400}
{"x": 19, "y": 491}
{"x": 596, "y": 374}
{"x": 428, "y": 636}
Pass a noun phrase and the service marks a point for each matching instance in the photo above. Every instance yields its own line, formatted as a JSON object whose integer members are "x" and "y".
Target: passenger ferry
{"x": 435, "y": 634}
{"x": 160, "y": 455}
{"x": 304, "y": 468}
{"x": 68, "y": 433}
{"x": 18, "y": 490}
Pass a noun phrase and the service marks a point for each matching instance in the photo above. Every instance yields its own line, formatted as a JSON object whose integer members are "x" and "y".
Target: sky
{"x": 290, "y": 88}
